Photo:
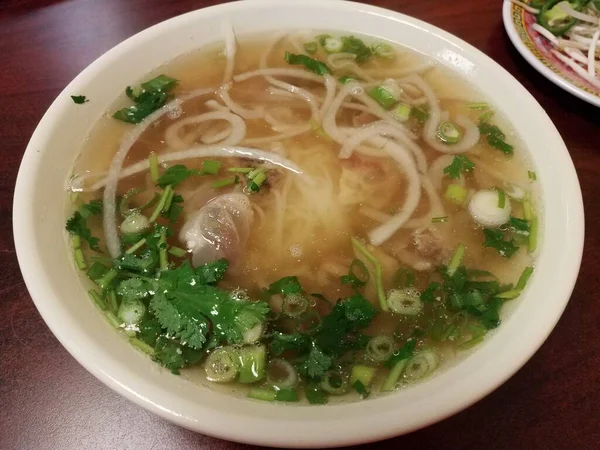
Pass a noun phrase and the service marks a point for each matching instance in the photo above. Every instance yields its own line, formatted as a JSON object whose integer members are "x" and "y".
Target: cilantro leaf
{"x": 79, "y": 99}
{"x": 429, "y": 294}
{"x": 77, "y": 225}
{"x": 317, "y": 363}
{"x": 314, "y": 394}
{"x": 135, "y": 288}
{"x": 310, "y": 63}
{"x": 519, "y": 226}
{"x": 354, "y": 45}
{"x": 285, "y": 286}
{"x": 212, "y": 273}
{"x": 174, "y": 356}
{"x": 189, "y": 310}
{"x": 495, "y": 137}
{"x": 144, "y": 264}
{"x": 152, "y": 95}
{"x": 175, "y": 175}
{"x": 175, "y": 210}
{"x": 460, "y": 164}
{"x": 280, "y": 343}
{"x": 495, "y": 239}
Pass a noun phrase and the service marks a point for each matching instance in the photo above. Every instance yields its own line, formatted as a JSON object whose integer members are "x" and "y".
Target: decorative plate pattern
{"x": 540, "y": 49}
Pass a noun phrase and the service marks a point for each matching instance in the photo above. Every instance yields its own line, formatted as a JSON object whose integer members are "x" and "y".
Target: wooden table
{"x": 48, "y": 401}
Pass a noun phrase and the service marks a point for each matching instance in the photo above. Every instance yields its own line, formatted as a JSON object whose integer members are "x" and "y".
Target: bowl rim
{"x": 538, "y": 65}
{"x": 344, "y": 431}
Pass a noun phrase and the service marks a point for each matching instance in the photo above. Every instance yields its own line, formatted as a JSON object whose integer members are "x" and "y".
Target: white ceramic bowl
{"x": 39, "y": 213}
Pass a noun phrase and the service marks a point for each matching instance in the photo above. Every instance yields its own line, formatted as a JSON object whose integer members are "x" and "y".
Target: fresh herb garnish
{"x": 460, "y": 164}
{"x": 79, "y": 99}
{"x": 77, "y": 225}
{"x": 356, "y": 46}
{"x": 496, "y": 239}
{"x": 175, "y": 175}
{"x": 152, "y": 95}
{"x": 310, "y": 63}
{"x": 495, "y": 137}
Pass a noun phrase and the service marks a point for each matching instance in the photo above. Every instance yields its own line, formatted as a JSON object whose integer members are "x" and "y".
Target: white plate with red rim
{"x": 40, "y": 208}
{"x": 537, "y": 51}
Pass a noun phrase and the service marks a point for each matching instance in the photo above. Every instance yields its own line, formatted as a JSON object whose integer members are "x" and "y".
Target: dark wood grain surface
{"x": 48, "y": 401}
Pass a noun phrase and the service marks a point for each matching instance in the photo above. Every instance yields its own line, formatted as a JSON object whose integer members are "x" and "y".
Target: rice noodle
{"x": 279, "y": 72}
{"x": 436, "y": 208}
{"x": 238, "y": 109}
{"x": 376, "y": 132}
{"x": 230, "y": 50}
{"x": 213, "y": 104}
{"x": 236, "y": 133}
{"x": 278, "y": 137}
{"x": 109, "y": 218}
{"x": 413, "y": 194}
{"x": 208, "y": 152}
{"x": 471, "y": 135}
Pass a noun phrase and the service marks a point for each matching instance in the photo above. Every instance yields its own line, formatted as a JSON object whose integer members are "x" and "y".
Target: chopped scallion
{"x": 501, "y": 199}
{"x": 257, "y": 181}
{"x": 177, "y": 252}
{"x": 382, "y": 96}
{"x": 161, "y": 203}
{"x": 135, "y": 247}
{"x": 210, "y": 167}
{"x": 225, "y": 182}
{"x": 383, "y": 50}
{"x": 533, "y": 234}
{"x": 456, "y": 260}
{"x": 244, "y": 170}
{"x": 153, "y": 162}
{"x": 478, "y": 105}
{"x": 532, "y": 175}
{"x": 141, "y": 345}
{"x": 162, "y": 250}
{"x": 487, "y": 115}
{"x": 362, "y": 249}
{"x": 402, "y": 112}
{"x": 310, "y": 47}
{"x": 346, "y": 79}
{"x": 97, "y": 298}
{"x": 333, "y": 44}
{"x": 456, "y": 193}
{"x": 449, "y": 133}
{"x": 439, "y": 219}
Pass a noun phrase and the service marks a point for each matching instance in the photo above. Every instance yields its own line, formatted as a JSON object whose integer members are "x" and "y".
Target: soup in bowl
{"x": 324, "y": 214}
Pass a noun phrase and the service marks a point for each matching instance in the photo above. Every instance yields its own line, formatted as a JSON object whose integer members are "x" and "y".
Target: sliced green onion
{"x": 380, "y": 348}
{"x": 294, "y": 305}
{"x": 533, "y": 234}
{"x": 210, "y": 167}
{"x": 509, "y": 295}
{"x": 252, "y": 365}
{"x": 402, "y": 112}
{"x": 314, "y": 394}
{"x": 362, "y": 249}
{"x": 501, "y": 198}
{"x": 153, "y": 162}
{"x": 134, "y": 224}
{"x": 75, "y": 241}
{"x": 141, "y": 345}
{"x": 79, "y": 259}
{"x": 266, "y": 395}
{"x": 107, "y": 279}
{"x": 177, "y": 252}
{"x": 257, "y": 181}
{"x": 112, "y": 320}
{"x": 527, "y": 210}
{"x": 382, "y": 96}
{"x": 311, "y": 47}
{"x": 112, "y": 301}
{"x": 383, "y": 50}
{"x": 281, "y": 374}
{"x": 487, "y": 115}
{"x": 222, "y": 365}
{"x": 160, "y": 83}
{"x": 286, "y": 395}
{"x": 456, "y": 193}
{"x": 74, "y": 197}
{"x": 161, "y": 203}
{"x": 333, "y": 45}
{"x": 405, "y": 301}
{"x": 244, "y": 170}
{"x": 532, "y": 175}
{"x": 471, "y": 342}
{"x": 524, "y": 278}
{"x": 439, "y": 219}
{"x": 391, "y": 380}
{"x": 168, "y": 201}
{"x": 420, "y": 365}
{"x": 131, "y": 311}
{"x": 335, "y": 382}
{"x": 456, "y": 260}
{"x": 162, "y": 250}
{"x": 449, "y": 133}
{"x": 135, "y": 247}
{"x": 478, "y": 105}
{"x": 364, "y": 374}
{"x": 97, "y": 298}
{"x": 97, "y": 271}
{"x": 225, "y": 182}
